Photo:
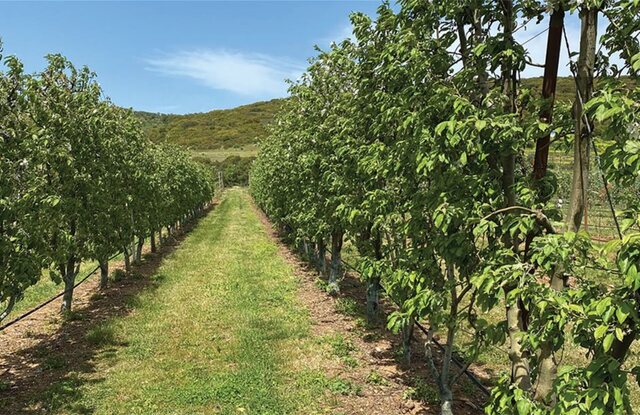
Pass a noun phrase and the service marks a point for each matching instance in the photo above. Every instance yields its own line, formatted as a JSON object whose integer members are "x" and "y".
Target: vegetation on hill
{"x": 566, "y": 86}
{"x": 218, "y": 129}
{"x": 243, "y": 127}
{"x": 227, "y": 140}
{"x": 235, "y": 169}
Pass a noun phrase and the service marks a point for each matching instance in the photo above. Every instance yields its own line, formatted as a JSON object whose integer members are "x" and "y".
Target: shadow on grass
{"x": 351, "y": 301}
{"x": 48, "y": 376}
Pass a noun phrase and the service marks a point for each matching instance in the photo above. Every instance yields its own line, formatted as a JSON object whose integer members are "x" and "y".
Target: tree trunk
{"x": 548, "y": 366}
{"x": 373, "y": 300}
{"x": 308, "y": 250}
{"x": 104, "y": 273}
{"x": 580, "y": 184}
{"x": 462, "y": 40}
{"x": 139, "y": 246}
{"x": 336, "y": 262}
{"x": 373, "y": 285}
{"x": 446, "y": 397}
{"x": 127, "y": 260}
{"x": 152, "y": 242}
{"x": 7, "y": 310}
{"x": 584, "y": 90}
{"x": 508, "y": 179}
{"x": 322, "y": 254}
{"x": 407, "y": 335}
{"x": 446, "y": 394}
{"x": 520, "y": 373}
{"x": 132, "y": 251}
{"x": 446, "y": 408}
{"x": 69, "y": 278}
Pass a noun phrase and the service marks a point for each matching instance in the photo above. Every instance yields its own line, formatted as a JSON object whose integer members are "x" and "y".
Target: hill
{"x": 219, "y": 129}
{"x": 566, "y": 87}
{"x": 219, "y": 134}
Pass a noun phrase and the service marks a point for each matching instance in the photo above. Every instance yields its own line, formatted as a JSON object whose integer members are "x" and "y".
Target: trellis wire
{"x": 588, "y": 125}
{"x": 52, "y": 299}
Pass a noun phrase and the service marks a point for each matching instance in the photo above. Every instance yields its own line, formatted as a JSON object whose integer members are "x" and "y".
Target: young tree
{"x": 25, "y": 204}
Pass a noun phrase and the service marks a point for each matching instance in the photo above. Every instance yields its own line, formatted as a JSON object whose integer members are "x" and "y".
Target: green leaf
{"x": 605, "y": 115}
{"x": 480, "y": 125}
{"x": 600, "y": 331}
{"x": 632, "y": 146}
{"x": 621, "y": 315}
{"x": 601, "y": 306}
{"x": 479, "y": 49}
{"x": 523, "y": 406}
{"x": 440, "y": 127}
{"x": 606, "y": 344}
{"x": 636, "y": 59}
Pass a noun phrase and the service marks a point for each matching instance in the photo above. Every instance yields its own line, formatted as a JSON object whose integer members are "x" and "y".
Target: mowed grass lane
{"x": 223, "y": 334}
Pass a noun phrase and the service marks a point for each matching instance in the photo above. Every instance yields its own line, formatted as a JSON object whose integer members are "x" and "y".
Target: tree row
{"x": 416, "y": 143}
{"x": 79, "y": 181}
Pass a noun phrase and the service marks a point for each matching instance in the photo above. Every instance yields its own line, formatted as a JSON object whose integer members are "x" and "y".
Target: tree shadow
{"x": 414, "y": 375}
{"x": 49, "y": 375}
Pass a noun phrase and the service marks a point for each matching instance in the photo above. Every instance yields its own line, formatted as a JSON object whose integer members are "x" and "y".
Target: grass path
{"x": 223, "y": 333}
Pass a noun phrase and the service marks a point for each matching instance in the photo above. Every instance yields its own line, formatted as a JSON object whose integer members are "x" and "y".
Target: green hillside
{"x": 219, "y": 129}
{"x": 566, "y": 87}
{"x": 220, "y": 134}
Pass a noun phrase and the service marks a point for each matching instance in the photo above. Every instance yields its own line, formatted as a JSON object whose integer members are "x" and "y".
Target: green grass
{"x": 349, "y": 307}
{"x": 222, "y": 154}
{"x": 223, "y": 334}
{"x": 375, "y": 378}
{"x": 342, "y": 348}
{"x": 422, "y": 391}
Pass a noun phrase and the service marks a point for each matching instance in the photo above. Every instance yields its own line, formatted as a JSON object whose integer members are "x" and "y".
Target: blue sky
{"x": 179, "y": 57}
{"x": 183, "y": 57}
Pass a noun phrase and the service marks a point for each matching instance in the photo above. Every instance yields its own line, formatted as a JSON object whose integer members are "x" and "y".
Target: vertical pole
{"x": 220, "y": 181}
{"x": 552, "y": 61}
{"x": 547, "y": 366}
{"x": 584, "y": 89}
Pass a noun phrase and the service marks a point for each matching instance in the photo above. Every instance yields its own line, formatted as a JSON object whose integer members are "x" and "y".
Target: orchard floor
{"x": 228, "y": 322}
